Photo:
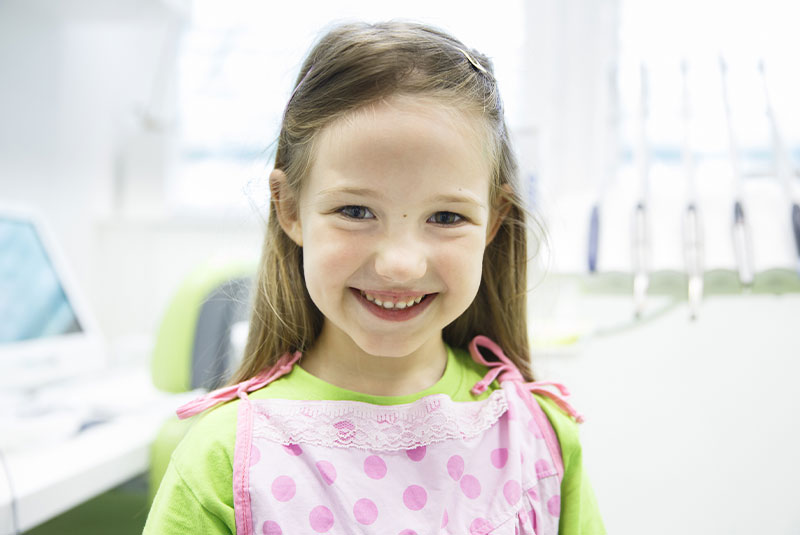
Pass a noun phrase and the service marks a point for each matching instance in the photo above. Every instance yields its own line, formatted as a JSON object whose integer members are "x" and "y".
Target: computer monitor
{"x": 47, "y": 332}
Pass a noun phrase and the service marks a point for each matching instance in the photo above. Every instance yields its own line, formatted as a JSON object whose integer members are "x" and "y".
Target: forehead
{"x": 400, "y": 143}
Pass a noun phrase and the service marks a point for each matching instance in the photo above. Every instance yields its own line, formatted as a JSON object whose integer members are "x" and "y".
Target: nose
{"x": 401, "y": 259}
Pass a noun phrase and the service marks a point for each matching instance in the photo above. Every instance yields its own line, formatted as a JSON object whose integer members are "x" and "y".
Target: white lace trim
{"x": 354, "y": 424}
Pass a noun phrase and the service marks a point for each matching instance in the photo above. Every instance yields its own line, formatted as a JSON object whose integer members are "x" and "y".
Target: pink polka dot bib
{"x": 434, "y": 466}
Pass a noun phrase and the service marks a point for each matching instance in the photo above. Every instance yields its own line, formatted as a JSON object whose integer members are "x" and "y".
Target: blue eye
{"x": 356, "y": 212}
{"x": 446, "y": 218}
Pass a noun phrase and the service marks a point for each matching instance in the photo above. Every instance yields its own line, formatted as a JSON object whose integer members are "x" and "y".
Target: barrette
{"x": 300, "y": 84}
{"x": 473, "y": 61}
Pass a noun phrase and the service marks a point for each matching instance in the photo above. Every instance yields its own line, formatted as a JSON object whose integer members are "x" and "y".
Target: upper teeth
{"x": 404, "y": 303}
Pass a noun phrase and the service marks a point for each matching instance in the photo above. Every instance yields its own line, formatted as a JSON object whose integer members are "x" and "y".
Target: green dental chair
{"x": 196, "y": 346}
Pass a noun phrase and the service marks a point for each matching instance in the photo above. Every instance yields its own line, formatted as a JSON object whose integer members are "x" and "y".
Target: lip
{"x": 394, "y": 314}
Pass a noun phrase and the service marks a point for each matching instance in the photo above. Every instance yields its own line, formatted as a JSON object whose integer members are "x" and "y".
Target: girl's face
{"x": 393, "y": 220}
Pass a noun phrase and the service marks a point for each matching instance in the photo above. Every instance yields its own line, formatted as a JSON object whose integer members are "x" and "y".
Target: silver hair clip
{"x": 300, "y": 84}
{"x": 473, "y": 61}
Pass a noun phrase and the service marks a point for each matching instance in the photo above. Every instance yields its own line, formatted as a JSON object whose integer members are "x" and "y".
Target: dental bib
{"x": 432, "y": 466}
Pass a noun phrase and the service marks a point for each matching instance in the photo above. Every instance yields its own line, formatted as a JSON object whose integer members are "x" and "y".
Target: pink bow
{"x": 505, "y": 370}
{"x": 196, "y": 406}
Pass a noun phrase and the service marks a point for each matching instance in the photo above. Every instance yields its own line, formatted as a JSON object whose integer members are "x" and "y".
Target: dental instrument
{"x": 692, "y": 225}
{"x": 640, "y": 243}
{"x": 610, "y": 163}
{"x": 742, "y": 242}
{"x": 783, "y": 164}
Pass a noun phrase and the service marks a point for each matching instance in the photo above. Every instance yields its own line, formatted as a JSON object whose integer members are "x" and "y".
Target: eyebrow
{"x": 458, "y": 199}
{"x": 364, "y": 192}
{"x": 462, "y": 198}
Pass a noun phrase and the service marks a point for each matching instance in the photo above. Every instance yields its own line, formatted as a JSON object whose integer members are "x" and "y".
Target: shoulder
{"x": 565, "y": 427}
{"x": 580, "y": 514}
{"x": 211, "y": 438}
{"x": 211, "y": 435}
{"x": 203, "y": 460}
{"x": 196, "y": 494}
{"x": 207, "y": 450}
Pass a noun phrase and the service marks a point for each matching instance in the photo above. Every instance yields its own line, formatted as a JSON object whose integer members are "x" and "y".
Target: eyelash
{"x": 452, "y": 217}
{"x": 344, "y": 211}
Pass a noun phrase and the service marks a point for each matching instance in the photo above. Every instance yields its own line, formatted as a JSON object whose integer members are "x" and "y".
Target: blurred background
{"x": 659, "y": 144}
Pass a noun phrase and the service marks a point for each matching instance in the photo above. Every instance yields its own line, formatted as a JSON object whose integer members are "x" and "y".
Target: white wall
{"x": 73, "y": 77}
{"x": 691, "y": 426}
{"x": 571, "y": 46}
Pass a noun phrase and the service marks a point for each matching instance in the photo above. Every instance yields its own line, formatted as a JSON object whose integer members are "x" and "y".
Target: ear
{"x": 286, "y": 206}
{"x": 502, "y": 205}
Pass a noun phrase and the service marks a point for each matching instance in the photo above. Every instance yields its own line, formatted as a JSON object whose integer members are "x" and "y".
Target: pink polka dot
{"x": 327, "y": 471}
{"x": 408, "y": 532}
{"x": 445, "y": 518}
{"x": 321, "y": 519}
{"x": 534, "y": 496}
{"x": 374, "y": 467}
{"x": 533, "y": 427}
{"x": 521, "y": 458}
{"x": 415, "y": 497}
{"x": 554, "y": 505}
{"x": 455, "y": 467}
{"x": 470, "y": 486}
{"x": 417, "y": 454}
{"x": 255, "y": 455}
{"x": 534, "y": 523}
{"x": 542, "y": 469}
{"x": 480, "y": 526}
{"x": 499, "y": 457}
{"x": 293, "y": 449}
{"x": 283, "y": 488}
{"x": 365, "y": 511}
{"x": 271, "y": 528}
{"x": 512, "y": 491}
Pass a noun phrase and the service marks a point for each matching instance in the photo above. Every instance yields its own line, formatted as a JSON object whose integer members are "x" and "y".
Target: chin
{"x": 386, "y": 348}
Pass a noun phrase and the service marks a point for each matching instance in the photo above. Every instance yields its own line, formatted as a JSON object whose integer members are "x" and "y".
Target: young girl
{"x": 374, "y": 396}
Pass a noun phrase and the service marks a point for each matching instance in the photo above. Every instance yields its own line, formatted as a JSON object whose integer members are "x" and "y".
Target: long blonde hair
{"x": 351, "y": 66}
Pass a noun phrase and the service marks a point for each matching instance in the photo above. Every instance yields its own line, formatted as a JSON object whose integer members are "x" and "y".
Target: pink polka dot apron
{"x": 433, "y": 466}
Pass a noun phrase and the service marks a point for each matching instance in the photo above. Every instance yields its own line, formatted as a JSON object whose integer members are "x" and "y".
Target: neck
{"x": 344, "y": 364}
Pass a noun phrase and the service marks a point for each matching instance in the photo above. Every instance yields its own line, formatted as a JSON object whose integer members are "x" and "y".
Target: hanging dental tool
{"x": 742, "y": 243}
{"x": 594, "y": 236}
{"x": 692, "y": 225}
{"x": 610, "y": 162}
{"x": 783, "y": 164}
{"x": 640, "y": 243}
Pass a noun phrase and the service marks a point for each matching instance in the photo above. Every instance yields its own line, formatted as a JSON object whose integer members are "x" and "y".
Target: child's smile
{"x": 393, "y": 220}
{"x": 394, "y": 306}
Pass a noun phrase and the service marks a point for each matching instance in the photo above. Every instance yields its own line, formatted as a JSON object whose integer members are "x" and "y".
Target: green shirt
{"x": 196, "y": 494}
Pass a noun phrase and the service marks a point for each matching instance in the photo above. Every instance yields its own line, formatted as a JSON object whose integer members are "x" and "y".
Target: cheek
{"x": 462, "y": 266}
{"x": 328, "y": 260}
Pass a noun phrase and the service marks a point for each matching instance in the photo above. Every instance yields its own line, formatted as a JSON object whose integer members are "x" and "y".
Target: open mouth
{"x": 394, "y": 307}
{"x": 394, "y": 303}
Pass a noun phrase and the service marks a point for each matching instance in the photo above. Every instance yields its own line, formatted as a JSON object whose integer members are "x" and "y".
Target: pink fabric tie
{"x": 504, "y": 370}
{"x": 221, "y": 395}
